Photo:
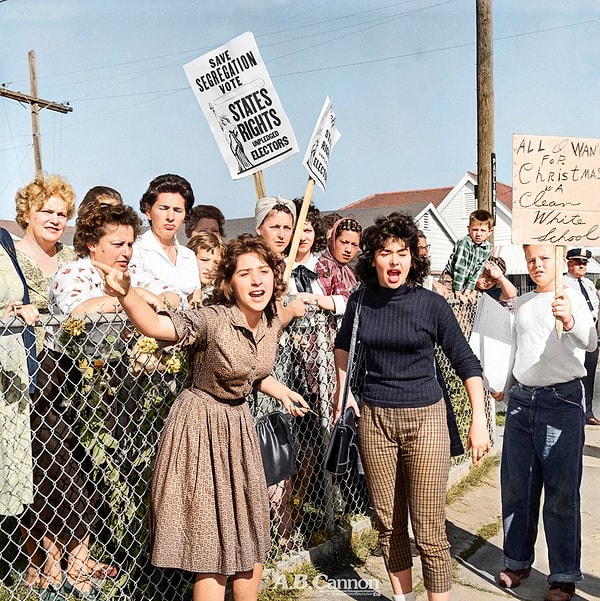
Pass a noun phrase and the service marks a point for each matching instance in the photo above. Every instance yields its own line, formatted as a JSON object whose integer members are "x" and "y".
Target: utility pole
{"x": 36, "y": 104}
{"x": 486, "y": 158}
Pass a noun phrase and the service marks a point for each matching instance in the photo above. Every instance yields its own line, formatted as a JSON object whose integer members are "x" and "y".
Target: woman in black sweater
{"x": 403, "y": 433}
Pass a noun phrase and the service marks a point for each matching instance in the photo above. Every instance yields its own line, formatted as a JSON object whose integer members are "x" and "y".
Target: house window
{"x": 426, "y": 222}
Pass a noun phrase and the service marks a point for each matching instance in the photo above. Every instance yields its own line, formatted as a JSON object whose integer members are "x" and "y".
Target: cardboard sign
{"x": 556, "y": 190}
{"x": 322, "y": 141}
{"x": 242, "y": 107}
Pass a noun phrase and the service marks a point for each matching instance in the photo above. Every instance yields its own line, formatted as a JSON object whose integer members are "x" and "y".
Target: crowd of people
{"x": 256, "y": 342}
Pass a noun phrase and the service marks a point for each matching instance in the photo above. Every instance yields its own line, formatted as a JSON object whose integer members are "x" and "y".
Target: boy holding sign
{"x": 544, "y": 432}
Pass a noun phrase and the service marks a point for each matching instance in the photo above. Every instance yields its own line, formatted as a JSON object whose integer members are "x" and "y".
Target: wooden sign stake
{"x": 558, "y": 281}
{"x": 291, "y": 259}
{"x": 259, "y": 185}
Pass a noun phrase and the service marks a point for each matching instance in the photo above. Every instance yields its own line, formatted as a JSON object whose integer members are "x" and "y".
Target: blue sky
{"x": 401, "y": 76}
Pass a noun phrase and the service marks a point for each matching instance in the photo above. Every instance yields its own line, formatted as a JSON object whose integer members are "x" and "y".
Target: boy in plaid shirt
{"x": 468, "y": 257}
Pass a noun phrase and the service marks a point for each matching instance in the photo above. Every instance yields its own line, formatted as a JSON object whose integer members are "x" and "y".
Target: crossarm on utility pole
{"x": 36, "y": 104}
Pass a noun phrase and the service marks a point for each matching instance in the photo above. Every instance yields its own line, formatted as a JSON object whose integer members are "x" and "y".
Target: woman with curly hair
{"x": 403, "y": 433}
{"x": 43, "y": 208}
{"x": 210, "y": 510}
{"x": 65, "y": 507}
{"x": 106, "y": 233}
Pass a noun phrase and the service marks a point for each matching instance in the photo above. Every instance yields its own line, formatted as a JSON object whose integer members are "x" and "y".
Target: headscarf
{"x": 332, "y": 273}
{"x": 265, "y": 204}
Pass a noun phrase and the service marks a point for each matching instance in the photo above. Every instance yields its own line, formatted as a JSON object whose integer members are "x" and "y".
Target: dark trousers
{"x": 591, "y": 360}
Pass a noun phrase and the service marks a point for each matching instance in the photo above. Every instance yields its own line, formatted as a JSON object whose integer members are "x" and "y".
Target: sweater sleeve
{"x": 454, "y": 344}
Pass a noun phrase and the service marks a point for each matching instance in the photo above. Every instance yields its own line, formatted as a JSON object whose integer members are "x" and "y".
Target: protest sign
{"x": 556, "y": 190}
{"x": 242, "y": 107}
{"x": 491, "y": 341}
{"x": 323, "y": 139}
{"x": 316, "y": 161}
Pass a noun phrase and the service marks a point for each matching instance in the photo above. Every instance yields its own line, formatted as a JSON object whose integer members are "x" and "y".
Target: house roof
{"x": 400, "y": 199}
{"x": 435, "y": 196}
{"x": 365, "y": 216}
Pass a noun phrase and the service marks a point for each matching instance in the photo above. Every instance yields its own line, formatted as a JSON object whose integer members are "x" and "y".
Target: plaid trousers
{"x": 405, "y": 453}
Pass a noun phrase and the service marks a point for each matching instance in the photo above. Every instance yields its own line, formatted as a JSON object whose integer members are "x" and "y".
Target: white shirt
{"x": 572, "y": 282}
{"x": 541, "y": 357}
{"x": 150, "y": 257}
{"x": 339, "y": 301}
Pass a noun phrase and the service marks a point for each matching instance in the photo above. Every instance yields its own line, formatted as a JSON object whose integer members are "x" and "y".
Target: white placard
{"x": 242, "y": 107}
{"x": 491, "y": 341}
{"x": 322, "y": 141}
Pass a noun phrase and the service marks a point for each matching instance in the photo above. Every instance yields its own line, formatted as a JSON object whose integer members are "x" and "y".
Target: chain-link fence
{"x": 76, "y": 458}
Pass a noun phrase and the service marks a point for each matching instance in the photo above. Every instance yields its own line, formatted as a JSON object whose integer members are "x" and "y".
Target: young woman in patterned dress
{"x": 210, "y": 509}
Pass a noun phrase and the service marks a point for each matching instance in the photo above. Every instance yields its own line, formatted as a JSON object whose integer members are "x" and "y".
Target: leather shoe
{"x": 592, "y": 421}
{"x": 560, "y": 591}
{"x": 512, "y": 578}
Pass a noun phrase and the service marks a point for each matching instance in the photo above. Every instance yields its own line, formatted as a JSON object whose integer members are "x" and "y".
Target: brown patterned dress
{"x": 210, "y": 510}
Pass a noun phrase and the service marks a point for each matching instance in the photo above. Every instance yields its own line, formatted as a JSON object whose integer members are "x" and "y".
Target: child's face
{"x": 541, "y": 266}
{"x": 207, "y": 262}
{"x": 479, "y": 232}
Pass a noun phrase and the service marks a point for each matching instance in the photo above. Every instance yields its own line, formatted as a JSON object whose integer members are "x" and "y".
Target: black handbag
{"x": 342, "y": 450}
{"x": 276, "y": 447}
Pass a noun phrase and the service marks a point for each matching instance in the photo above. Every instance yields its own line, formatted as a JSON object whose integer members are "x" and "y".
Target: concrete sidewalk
{"x": 475, "y": 578}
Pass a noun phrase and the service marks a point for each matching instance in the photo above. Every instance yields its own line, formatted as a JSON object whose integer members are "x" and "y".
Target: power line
{"x": 168, "y": 92}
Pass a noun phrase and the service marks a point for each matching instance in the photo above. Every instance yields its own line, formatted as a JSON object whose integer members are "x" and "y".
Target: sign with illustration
{"x": 242, "y": 107}
{"x": 556, "y": 190}
{"x": 324, "y": 138}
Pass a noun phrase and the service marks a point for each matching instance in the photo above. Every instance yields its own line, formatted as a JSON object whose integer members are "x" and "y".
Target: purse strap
{"x": 349, "y": 366}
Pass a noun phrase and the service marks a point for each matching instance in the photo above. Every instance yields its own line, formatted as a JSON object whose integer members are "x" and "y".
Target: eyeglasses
{"x": 424, "y": 247}
{"x": 579, "y": 261}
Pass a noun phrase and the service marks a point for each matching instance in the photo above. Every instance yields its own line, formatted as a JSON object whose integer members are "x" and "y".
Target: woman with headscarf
{"x": 275, "y": 218}
{"x": 336, "y": 277}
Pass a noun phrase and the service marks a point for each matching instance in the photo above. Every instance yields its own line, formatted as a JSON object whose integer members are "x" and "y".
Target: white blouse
{"x": 338, "y": 300}
{"x": 150, "y": 257}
